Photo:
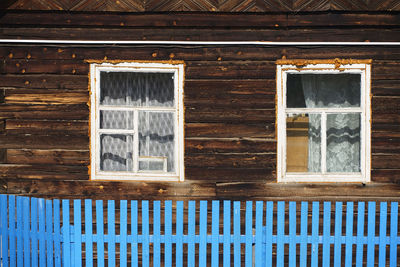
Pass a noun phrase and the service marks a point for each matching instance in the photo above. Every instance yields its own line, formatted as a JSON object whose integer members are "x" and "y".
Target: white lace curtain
{"x": 342, "y": 129}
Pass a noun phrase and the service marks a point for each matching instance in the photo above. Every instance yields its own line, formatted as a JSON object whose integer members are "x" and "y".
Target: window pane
{"x": 110, "y": 119}
{"x": 323, "y": 90}
{"x": 303, "y": 143}
{"x": 156, "y": 141}
{"x": 116, "y": 152}
{"x": 137, "y": 89}
{"x": 343, "y": 142}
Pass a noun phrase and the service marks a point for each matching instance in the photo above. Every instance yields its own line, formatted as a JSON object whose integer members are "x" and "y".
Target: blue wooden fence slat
{"x": 42, "y": 232}
{"x": 349, "y": 234}
{"x": 249, "y": 234}
{"x": 49, "y": 232}
{"x": 100, "y": 233}
{"x": 215, "y": 234}
{"x": 12, "y": 235}
{"x": 227, "y": 233}
{"x": 292, "y": 234}
{"x": 259, "y": 233}
{"x": 145, "y": 234}
{"x": 123, "y": 230}
{"x": 203, "y": 234}
{"x": 156, "y": 233}
{"x": 77, "y": 233}
{"x": 326, "y": 233}
{"x": 66, "y": 234}
{"x": 280, "y": 250}
{"x": 269, "y": 215}
{"x": 111, "y": 232}
{"x": 57, "y": 234}
{"x": 20, "y": 259}
{"x": 371, "y": 234}
{"x": 168, "y": 233}
{"x": 191, "y": 233}
{"x": 4, "y": 230}
{"x": 394, "y": 209}
{"x": 34, "y": 230}
{"x": 179, "y": 234}
{"x": 134, "y": 232}
{"x": 303, "y": 234}
{"x": 314, "y": 234}
{"x": 337, "y": 259}
{"x": 26, "y": 230}
{"x": 382, "y": 234}
{"x": 88, "y": 232}
{"x": 360, "y": 233}
{"x": 236, "y": 234}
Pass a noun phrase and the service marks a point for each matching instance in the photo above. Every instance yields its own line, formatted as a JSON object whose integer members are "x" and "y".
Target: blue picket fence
{"x": 39, "y": 232}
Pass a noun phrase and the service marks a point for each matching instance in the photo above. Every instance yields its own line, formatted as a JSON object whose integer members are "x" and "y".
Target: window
{"x": 323, "y": 121}
{"x": 137, "y": 121}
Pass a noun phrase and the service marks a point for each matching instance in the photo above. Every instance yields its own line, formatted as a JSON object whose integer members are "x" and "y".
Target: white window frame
{"x": 95, "y": 172}
{"x": 365, "y": 132}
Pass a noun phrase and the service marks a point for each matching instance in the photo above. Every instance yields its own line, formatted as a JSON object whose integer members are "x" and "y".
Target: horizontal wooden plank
{"x": 246, "y": 161}
{"x": 43, "y": 96}
{"x": 212, "y": 87}
{"x": 386, "y": 87}
{"x": 385, "y": 161}
{"x": 227, "y": 130}
{"x": 58, "y": 141}
{"x": 39, "y": 156}
{"x": 385, "y": 118}
{"x": 47, "y": 126}
{"x": 44, "y": 112}
{"x": 230, "y": 174}
{"x": 386, "y": 175}
{"x": 199, "y": 146}
{"x": 201, "y": 34}
{"x": 44, "y": 81}
{"x": 235, "y": 102}
{"x": 304, "y": 191}
{"x": 37, "y": 66}
{"x": 195, "y": 53}
{"x": 343, "y": 19}
{"x": 232, "y": 113}
{"x": 110, "y": 189}
{"x": 158, "y": 20}
{"x": 385, "y": 104}
{"x": 388, "y": 145}
{"x": 46, "y": 171}
{"x": 230, "y": 70}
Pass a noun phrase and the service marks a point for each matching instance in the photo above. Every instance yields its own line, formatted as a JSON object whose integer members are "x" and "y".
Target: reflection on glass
{"x": 323, "y": 90}
{"x": 116, "y": 152}
{"x": 303, "y": 143}
{"x": 343, "y": 142}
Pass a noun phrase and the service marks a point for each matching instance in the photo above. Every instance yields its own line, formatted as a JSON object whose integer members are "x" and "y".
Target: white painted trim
{"x": 365, "y": 131}
{"x": 96, "y": 174}
{"x": 148, "y": 42}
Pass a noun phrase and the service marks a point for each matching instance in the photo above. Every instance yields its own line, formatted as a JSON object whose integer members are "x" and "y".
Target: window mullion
{"x": 323, "y": 142}
{"x": 135, "y": 141}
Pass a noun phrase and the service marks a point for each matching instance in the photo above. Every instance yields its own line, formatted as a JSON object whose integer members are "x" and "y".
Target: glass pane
{"x": 116, "y": 152}
{"x": 156, "y": 141}
{"x": 137, "y": 89}
{"x": 303, "y": 143}
{"x": 323, "y": 90}
{"x": 110, "y": 119}
{"x": 343, "y": 142}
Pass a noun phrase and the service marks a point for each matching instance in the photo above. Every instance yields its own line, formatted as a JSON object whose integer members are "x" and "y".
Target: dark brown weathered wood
{"x": 248, "y": 146}
{"x": 46, "y": 126}
{"x": 41, "y": 81}
{"x": 227, "y": 130}
{"x": 57, "y": 141}
{"x": 50, "y": 157}
{"x": 44, "y": 112}
{"x": 56, "y": 97}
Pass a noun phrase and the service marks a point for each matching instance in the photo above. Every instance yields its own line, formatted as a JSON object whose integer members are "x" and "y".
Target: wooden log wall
{"x": 230, "y": 136}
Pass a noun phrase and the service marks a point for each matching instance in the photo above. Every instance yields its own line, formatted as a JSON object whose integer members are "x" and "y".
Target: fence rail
{"x": 36, "y": 232}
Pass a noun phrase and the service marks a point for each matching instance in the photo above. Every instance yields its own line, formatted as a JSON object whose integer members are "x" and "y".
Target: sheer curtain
{"x": 342, "y": 129}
